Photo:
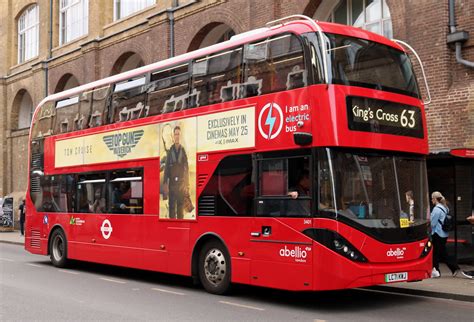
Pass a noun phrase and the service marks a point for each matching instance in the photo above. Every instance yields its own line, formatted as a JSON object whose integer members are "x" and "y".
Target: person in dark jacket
{"x": 22, "y": 211}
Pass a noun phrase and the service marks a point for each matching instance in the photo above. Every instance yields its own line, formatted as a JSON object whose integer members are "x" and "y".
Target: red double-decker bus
{"x": 291, "y": 157}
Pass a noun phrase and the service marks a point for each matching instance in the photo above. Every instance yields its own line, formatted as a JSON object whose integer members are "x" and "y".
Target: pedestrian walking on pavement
{"x": 440, "y": 237}
{"x": 22, "y": 210}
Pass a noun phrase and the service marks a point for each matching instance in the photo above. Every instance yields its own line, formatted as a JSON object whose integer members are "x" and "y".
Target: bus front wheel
{"x": 214, "y": 268}
{"x": 58, "y": 249}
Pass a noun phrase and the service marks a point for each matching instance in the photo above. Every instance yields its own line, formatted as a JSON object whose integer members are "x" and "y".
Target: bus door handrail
{"x": 320, "y": 33}
{"x": 421, "y": 65}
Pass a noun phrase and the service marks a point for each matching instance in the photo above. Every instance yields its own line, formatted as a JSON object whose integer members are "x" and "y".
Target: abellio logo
{"x": 396, "y": 253}
{"x": 297, "y": 253}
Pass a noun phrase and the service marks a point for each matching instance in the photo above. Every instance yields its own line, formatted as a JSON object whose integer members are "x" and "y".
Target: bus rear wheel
{"x": 214, "y": 268}
{"x": 58, "y": 249}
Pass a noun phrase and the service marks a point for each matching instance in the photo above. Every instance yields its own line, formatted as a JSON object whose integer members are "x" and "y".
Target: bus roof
{"x": 295, "y": 26}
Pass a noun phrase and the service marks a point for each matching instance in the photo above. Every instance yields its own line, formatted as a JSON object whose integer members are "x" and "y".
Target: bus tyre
{"x": 58, "y": 249}
{"x": 214, "y": 268}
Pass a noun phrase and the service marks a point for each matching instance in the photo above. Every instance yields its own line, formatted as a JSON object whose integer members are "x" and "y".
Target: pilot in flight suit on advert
{"x": 176, "y": 176}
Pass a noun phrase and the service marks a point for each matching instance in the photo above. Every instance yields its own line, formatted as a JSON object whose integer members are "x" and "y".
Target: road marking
{"x": 166, "y": 291}
{"x": 34, "y": 265}
{"x": 111, "y": 280}
{"x": 6, "y": 259}
{"x": 69, "y": 272}
{"x": 242, "y": 306}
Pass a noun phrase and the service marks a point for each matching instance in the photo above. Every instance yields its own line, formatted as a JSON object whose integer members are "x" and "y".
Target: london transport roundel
{"x": 106, "y": 229}
{"x": 270, "y": 121}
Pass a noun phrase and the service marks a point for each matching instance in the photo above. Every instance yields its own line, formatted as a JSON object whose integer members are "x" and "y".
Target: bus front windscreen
{"x": 382, "y": 194}
{"x": 359, "y": 62}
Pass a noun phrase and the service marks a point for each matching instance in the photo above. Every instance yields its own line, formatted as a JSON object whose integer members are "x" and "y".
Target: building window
{"x": 123, "y": 8}
{"x": 372, "y": 15}
{"x": 28, "y": 37}
{"x": 73, "y": 19}
{"x": 25, "y": 114}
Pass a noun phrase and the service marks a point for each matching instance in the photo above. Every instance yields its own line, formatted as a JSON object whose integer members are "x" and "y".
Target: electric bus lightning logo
{"x": 274, "y": 119}
{"x": 270, "y": 121}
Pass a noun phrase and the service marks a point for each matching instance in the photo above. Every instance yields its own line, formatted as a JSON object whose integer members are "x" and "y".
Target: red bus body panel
{"x": 286, "y": 260}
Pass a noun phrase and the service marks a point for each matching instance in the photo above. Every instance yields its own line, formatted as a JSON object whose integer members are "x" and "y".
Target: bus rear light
{"x": 336, "y": 243}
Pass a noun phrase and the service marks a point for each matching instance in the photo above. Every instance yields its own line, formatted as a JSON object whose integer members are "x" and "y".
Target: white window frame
{"x": 384, "y": 16}
{"x": 28, "y": 34}
{"x": 73, "y": 20}
{"x": 125, "y": 8}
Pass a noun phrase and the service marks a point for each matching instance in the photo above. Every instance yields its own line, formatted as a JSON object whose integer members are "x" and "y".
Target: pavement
{"x": 446, "y": 286}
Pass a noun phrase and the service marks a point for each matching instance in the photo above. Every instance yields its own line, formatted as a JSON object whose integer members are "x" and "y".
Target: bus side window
{"x": 81, "y": 120}
{"x": 125, "y": 191}
{"x": 273, "y": 184}
{"x": 91, "y": 193}
{"x": 272, "y": 65}
{"x": 231, "y": 190}
{"x": 255, "y": 70}
{"x": 217, "y": 78}
{"x": 66, "y": 110}
{"x": 49, "y": 198}
{"x": 287, "y": 63}
{"x": 98, "y": 113}
{"x": 68, "y": 192}
{"x": 44, "y": 120}
{"x": 168, "y": 90}
{"x": 128, "y": 100}
{"x": 285, "y": 187}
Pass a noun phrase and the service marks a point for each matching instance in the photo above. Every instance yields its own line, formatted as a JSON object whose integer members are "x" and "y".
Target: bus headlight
{"x": 336, "y": 242}
{"x": 426, "y": 249}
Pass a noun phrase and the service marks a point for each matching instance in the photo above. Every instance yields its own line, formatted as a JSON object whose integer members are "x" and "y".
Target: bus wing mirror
{"x": 303, "y": 138}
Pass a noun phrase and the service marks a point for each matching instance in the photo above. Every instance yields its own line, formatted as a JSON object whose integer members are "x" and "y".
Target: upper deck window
{"x": 216, "y": 78}
{"x": 123, "y": 8}
{"x": 42, "y": 125}
{"x": 359, "y": 62}
{"x": 128, "y": 100}
{"x": 72, "y": 113}
{"x": 28, "y": 39}
{"x": 272, "y": 65}
{"x": 168, "y": 90}
{"x": 73, "y": 19}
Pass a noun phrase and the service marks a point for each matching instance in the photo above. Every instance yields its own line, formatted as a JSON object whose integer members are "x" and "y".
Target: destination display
{"x": 379, "y": 116}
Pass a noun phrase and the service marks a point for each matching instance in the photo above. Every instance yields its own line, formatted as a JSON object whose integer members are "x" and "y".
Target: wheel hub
{"x": 215, "y": 266}
{"x": 58, "y": 248}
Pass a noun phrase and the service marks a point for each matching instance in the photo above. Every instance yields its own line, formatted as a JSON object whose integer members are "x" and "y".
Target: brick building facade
{"x": 172, "y": 27}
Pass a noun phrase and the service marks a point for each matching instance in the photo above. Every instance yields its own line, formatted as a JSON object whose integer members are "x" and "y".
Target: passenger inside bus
{"x": 298, "y": 206}
{"x": 121, "y": 198}
{"x": 98, "y": 205}
{"x": 49, "y": 204}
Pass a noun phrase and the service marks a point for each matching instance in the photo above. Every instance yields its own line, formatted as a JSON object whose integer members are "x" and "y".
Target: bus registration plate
{"x": 396, "y": 277}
